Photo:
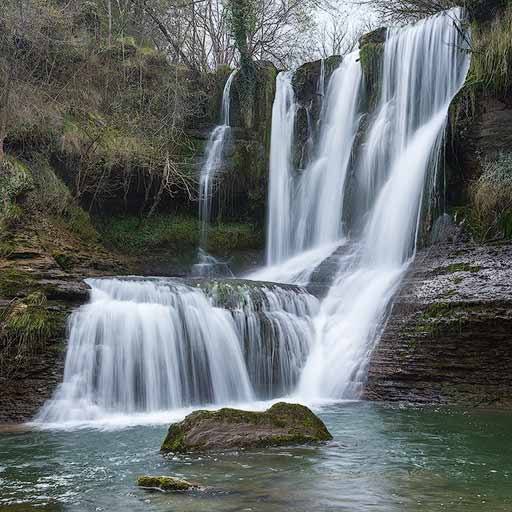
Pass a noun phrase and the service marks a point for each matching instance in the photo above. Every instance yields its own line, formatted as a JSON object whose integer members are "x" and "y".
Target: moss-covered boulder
{"x": 165, "y": 483}
{"x": 282, "y": 424}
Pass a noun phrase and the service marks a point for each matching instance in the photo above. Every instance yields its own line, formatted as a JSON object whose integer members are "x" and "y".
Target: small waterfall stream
{"x": 281, "y": 184}
{"x": 209, "y": 172}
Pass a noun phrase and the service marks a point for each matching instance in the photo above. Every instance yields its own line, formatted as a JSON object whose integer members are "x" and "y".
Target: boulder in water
{"x": 165, "y": 483}
{"x": 282, "y": 424}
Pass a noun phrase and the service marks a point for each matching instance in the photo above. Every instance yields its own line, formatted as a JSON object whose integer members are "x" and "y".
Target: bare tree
{"x": 404, "y": 11}
{"x": 336, "y": 36}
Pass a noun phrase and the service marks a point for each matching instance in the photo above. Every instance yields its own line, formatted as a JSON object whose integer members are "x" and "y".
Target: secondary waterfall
{"x": 160, "y": 344}
{"x": 424, "y": 67}
{"x": 212, "y": 165}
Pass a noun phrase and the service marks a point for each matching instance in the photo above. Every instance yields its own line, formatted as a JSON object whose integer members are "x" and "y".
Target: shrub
{"x": 490, "y": 216}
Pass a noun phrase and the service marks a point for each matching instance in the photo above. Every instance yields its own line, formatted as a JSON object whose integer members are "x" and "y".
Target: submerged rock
{"x": 282, "y": 424}
{"x": 165, "y": 483}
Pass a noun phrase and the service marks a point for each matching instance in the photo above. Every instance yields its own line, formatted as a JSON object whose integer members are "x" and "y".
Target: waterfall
{"x": 281, "y": 177}
{"x": 212, "y": 165}
{"x": 305, "y": 208}
{"x": 320, "y": 88}
{"x": 153, "y": 344}
{"x": 142, "y": 346}
{"x": 425, "y": 65}
{"x": 320, "y": 194}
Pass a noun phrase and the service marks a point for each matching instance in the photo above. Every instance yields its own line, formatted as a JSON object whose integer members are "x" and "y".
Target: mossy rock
{"x": 14, "y": 282}
{"x": 371, "y": 55}
{"x": 165, "y": 483}
{"x": 282, "y": 424}
{"x": 377, "y": 36}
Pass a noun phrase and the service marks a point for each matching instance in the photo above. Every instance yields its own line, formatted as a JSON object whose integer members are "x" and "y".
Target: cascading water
{"x": 209, "y": 172}
{"x": 425, "y": 65}
{"x": 154, "y": 345}
{"x": 281, "y": 176}
{"x": 321, "y": 189}
{"x": 148, "y": 345}
{"x": 304, "y": 208}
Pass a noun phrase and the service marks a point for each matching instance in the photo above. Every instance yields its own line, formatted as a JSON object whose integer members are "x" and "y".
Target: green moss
{"x": 457, "y": 267}
{"x": 15, "y": 182}
{"x": 441, "y": 317}
{"x": 7, "y": 247}
{"x": 174, "y": 441}
{"x": 64, "y": 259}
{"x": 14, "y": 282}
{"x": 457, "y": 280}
{"x": 164, "y": 483}
{"x": 371, "y": 62}
{"x": 176, "y": 234}
{"x": 285, "y": 424}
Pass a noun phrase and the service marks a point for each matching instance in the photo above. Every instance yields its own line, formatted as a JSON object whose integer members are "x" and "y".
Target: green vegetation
{"x": 492, "y": 198}
{"x": 63, "y": 259}
{"x": 491, "y": 62}
{"x": 457, "y": 267}
{"x": 441, "y": 317}
{"x": 164, "y": 483}
{"x": 31, "y": 192}
{"x": 14, "y": 282}
{"x": 52, "y": 198}
{"x": 15, "y": 182}
{"x": 489, "y": 213}
{"x": 27, "y": 327}
{"x": 371, "y": 62}
{"x": 490, "y": 70}
{"x": 176, "y": 234}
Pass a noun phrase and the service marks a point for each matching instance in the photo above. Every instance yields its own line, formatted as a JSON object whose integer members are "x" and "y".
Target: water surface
{"x": 382, "y": 459}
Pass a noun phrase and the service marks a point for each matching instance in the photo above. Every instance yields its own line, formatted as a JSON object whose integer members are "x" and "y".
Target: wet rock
{"x": 377, "y": 36}
{"x": 448, "y": 338}
{"x": 282, "y": 424}
{"x": 34, "y": 365}
{"x": 165, "y": 483}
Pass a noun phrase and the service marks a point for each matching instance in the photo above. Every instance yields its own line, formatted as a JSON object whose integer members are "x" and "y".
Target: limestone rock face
{"x": 282, "y": 424}
{"x": 448, "y": 339}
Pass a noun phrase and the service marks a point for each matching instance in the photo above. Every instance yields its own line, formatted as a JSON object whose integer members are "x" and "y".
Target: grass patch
{"x": 27, "y": 327}
{"x": 491, "y": 63}
{"x": 175, "y": 234}
{"x": 489, "y": 214}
